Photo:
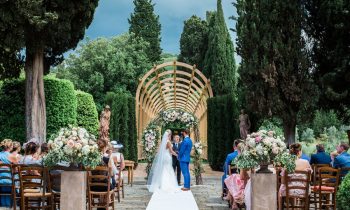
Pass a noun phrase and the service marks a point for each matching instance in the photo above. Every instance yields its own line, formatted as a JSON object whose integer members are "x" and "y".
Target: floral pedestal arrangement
{"x": 75, "y": 149}
{"x": 197, "y": 163}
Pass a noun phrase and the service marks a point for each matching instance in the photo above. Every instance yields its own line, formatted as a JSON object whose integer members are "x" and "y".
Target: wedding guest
{"x": 44, "y": 149}
{"x": 176, "y": 163}
{"x": 304, "y": 156}
{"x": 301, "y": 165}
{"x": 229, "y": 158}
{"x": 118, "y": 155}
{"x": 321, "y": 157}
{"x": 236, "y": 184}
{"x": 30, "y": 154}
{"x": 343, "y": 158}
{"x": 6, "y": 158}
{"x": 16, "y": 150}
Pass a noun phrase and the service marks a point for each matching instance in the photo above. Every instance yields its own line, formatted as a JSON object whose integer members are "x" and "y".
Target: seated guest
{"x": 44, "y": 149}
{"x": 16, "y": 149}
{"x": 304, "y": 156}
{"x": 301, "y": 165}
{"x": 118, "y": 157}
{"x": 321, "y": 157}
{"x": 236, "y": 184}
{"x": 230, "y": 157}
{"x": 6, "y": 158}
{"x": 343, "y": 158}
{"x": 30, "y": 154}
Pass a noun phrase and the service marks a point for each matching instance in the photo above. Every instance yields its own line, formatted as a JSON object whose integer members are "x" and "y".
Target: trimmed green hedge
{"x": 122, "y": 123}
{"x": 223, "y": 129}
{"x": 61, "y": 107}
{"x": 343, "y": 194}
{"x": 87, "y": 116}
{"x": 61, "y": 104}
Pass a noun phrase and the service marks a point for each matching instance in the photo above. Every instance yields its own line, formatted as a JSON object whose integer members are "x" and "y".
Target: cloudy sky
{"x": 111, "y": 18}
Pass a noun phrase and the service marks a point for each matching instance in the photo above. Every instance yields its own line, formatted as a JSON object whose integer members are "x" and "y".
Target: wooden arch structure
{"x": 172, "y": 85}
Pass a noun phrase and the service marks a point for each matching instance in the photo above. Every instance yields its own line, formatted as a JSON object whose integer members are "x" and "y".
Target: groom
{"x": 184, "y": 158}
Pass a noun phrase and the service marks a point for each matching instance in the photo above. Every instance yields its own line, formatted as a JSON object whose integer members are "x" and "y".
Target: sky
{"x": 111, "y": 18}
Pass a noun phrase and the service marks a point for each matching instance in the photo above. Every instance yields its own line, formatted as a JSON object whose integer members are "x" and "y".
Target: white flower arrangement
{"x": 198, "y": 148}
{"x": 264, "y": 147}
{"x": 73, "y": 145}
{"x": 175, "y": 114}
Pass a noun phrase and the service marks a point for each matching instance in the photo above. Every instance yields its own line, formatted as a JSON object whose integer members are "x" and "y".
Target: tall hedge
{"x": 61, "y": 105}
{"x": 223, "y": 129}
{"x": 87, "y": 116}
{"x": 122, "y": 123}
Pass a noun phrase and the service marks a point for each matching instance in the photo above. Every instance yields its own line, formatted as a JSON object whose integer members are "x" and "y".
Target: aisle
{"x": 183, "y": 200}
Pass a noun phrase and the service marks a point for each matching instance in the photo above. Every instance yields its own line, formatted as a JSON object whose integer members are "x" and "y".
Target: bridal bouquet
{"x": 73, "y": 145}
{"x": 264, "y": 147}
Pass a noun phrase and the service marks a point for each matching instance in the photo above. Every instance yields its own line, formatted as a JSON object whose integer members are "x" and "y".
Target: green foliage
{"x": 328, "y": 26}
{"x": 12, "y": 110}
{"x": 105, "y": 65}
{"x": 343, "y": 194}
{"x": 275, "y": 66}
{"x": 194, "y": 42}
{"x": 307, "y": 135}
{"x": 144, "y": 23}
{"x": 55, "y": 26}
{"x": 61, "y": 107}
{"x": 87, "y": 116}
{"x": 122, "y": 122}
{"x": 219, "y": 63}
{"x": 272, "y": 124}
{"x": 324, "y": 119}
{"x": 223, "y": 129}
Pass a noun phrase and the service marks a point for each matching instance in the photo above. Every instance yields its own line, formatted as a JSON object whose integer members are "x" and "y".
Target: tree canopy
{"x": 105, "y": 65}
{"x": 144, "y": 23}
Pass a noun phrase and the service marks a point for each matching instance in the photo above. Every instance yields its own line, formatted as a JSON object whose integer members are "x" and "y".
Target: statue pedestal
{"x": 264, "y": 195}
{"x": 73, "y": 190}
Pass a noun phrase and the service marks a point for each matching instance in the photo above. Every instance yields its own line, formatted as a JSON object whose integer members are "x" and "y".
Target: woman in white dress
{"x": 162, "y": 176}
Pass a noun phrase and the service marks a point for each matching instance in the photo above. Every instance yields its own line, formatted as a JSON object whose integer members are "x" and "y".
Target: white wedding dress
{"x": 163, "y": 184}
{"x": 162, "y": 176}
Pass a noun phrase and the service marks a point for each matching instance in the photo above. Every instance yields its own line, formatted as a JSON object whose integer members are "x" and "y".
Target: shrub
{"x": 307, "y": 135}
{"x": 343, "y": 194}
{"x": 122, "y": 122}
{"x": 87, "y": 116}
{"x": 61, "y": 105}
{"x": 324, "y": 119}
{"x": 273, "y": 124}
{"x": 224, "y": 129}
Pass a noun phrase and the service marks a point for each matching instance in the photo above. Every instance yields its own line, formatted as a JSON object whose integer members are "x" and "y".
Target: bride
{"x": 162, "y": 176}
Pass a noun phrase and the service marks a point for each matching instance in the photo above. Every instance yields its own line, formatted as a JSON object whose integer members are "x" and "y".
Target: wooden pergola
{"x": 172, "y": 85}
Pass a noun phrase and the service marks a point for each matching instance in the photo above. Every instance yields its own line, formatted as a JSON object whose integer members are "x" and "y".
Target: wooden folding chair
{"x": 35, "y": 188}
{"x": 315, "y": 177}
{"x": 298, "y": 181}
{"x": 6, "y": 175}
{"x": 326, "y": 187}
{"x": 119, "y": 186}
{"x": 100, "y": 193}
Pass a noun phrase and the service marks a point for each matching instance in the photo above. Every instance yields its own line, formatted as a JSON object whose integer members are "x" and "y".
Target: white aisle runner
{"x": 182, "y": 200}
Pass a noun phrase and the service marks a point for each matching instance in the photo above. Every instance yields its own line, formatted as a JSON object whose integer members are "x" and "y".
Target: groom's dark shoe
{"x": 185, "y": 189}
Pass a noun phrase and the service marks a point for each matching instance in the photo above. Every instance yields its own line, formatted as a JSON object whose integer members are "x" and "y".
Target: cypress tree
{"x": 328, "y": 24}
{"x": 219, "y": 60}
{"x": 274, "y": 67}
{"x": 194, "y": 42}
{"x": 144, "y": 23}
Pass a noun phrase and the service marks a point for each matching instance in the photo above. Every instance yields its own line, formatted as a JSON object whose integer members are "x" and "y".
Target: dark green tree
{"x": 329, "y": 29}
{"x": 144, "y": 23}
{"x": 45, "y": 30}
{"x": 194, "y": 42}
{"x": 274, "y": 69}
{"x": 219, "y": 63}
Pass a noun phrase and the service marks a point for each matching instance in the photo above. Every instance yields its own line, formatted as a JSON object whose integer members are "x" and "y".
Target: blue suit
{"x": 342, "y": 160}
{"x": 320, "y": 158}
{"x": 230, "y": 157}
{"x": 305, "y": 157}
{"x": 184, "y": 158}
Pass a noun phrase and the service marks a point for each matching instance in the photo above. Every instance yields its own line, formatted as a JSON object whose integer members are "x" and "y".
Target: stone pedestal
{"x": 264, "y": 192}
{"x": 73, "y": 190}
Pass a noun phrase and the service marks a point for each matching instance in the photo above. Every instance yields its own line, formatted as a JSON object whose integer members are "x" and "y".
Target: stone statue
{"x": 104, "y": 123}
{"x": 244, "y": 124}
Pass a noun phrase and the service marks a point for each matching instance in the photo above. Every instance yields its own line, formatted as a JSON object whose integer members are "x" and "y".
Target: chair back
{"x": 34, "y": 177}
{"x": 315, "y": 175}
{"x": 297, "y": 188}
{"x": 328, "y": 177}
{"x": 99, "y": 178}
{"x": 6, "y": 177}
